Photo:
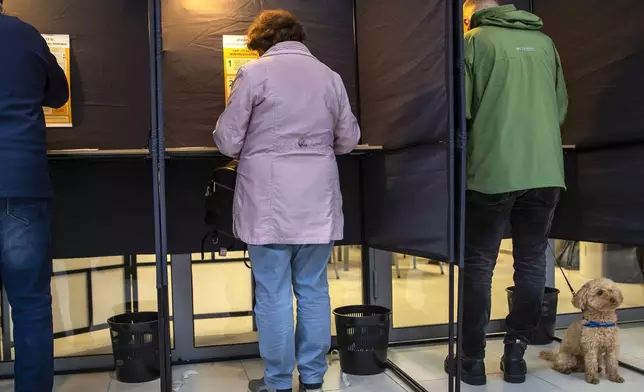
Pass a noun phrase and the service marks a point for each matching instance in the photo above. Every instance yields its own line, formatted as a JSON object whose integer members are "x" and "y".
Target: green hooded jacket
{"x": 516, "y": 102}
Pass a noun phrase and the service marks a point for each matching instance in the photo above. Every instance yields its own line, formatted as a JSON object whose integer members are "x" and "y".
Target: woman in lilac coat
{"x": 288, "y": 116}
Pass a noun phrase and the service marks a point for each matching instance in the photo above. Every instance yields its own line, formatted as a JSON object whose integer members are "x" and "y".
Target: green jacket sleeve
{"x": 562, "y": 92}
{"x": 469, "y": 76}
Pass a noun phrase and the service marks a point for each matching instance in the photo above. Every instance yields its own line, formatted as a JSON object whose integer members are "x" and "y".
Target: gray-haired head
{"x": 471, "y": 6}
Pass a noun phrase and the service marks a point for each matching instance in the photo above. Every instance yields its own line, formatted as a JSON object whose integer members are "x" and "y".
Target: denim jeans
{"x": 280, "y": 271}
{"x": 529, "y": 213}
{"x": 25, "y": 268}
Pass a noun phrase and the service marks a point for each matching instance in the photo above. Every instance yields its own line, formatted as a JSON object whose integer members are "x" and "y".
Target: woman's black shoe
{"x": 473, "y": 371}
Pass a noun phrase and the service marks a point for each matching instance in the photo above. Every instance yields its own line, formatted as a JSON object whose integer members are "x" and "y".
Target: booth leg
{"x": 7, "y": 344}
{"x": 345, "y": 251}
{"x": 335, "y": 265}
{"x": 394, "y": 260}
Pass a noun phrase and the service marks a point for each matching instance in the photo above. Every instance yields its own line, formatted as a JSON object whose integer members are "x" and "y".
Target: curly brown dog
{"x": 594, "y": 338}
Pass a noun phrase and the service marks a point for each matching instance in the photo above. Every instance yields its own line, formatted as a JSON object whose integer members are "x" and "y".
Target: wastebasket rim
{"x": 111, "y": 320}
{"x": 378, "y": 310}
{"x": 548, "y": 290}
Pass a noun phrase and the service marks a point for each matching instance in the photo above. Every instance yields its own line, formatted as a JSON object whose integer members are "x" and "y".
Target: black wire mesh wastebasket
{"x": 135, "y": 338}
{"x": 545, "y": 331}
{"x": 363, "y": 338}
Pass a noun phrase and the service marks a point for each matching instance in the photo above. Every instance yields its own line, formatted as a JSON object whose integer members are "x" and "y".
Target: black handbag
{"x": 220, "y": 194}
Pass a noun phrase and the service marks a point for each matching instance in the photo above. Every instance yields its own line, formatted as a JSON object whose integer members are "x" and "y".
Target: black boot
{"x": 473, "y": 371}
{"x": 512, "y": 364}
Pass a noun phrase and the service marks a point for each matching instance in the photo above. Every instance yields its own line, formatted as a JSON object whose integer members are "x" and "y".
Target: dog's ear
{"x": 620, "y": 296}
{"x": 579, "y": 299}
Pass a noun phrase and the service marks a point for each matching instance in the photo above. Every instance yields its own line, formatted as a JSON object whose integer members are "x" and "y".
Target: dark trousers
{"x": 25, "y": 268}
{"x": 529, "y": 213}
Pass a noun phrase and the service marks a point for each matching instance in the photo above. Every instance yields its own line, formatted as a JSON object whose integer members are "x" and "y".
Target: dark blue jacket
{"x": 30, "y": 78}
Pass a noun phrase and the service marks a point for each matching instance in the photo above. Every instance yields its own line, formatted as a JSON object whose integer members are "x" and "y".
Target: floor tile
{"x": 633, "y": 361}
{"x": 426, "y": 363}
{"x": 117, "y": 386}
{"x": 576, "y": 383}
{"x": 333, "y": 380}
{"x": 632, "y": 340}
{"x": 495, "y": 383}
{"x": 91, "y": 382}
{"x": 83, "y": 382}
{"x": 213, "y": 377}
{"x": 6, "y": 386}
{"x": 381, "y": 383}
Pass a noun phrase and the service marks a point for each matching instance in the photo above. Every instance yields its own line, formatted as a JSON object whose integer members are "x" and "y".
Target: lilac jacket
{"x": 288, "y": 115}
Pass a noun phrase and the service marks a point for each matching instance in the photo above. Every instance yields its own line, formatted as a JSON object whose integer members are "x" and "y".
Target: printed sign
{"x": 61, "y": 49}
{"x": 236, "y": 55}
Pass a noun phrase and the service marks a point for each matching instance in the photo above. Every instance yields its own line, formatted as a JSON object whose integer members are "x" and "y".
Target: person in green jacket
{"x": 516, "y": 102}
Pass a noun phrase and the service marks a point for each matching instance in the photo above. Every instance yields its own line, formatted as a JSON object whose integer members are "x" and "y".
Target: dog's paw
{"x": 592, "y": 379}
{"x": 561, "y": 369}
{"x": 617, "y": 378}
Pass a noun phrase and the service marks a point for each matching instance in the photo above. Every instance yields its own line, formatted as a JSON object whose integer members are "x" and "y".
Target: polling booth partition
{"x": 398, "y": 190}
{"x": 601, "y": 212}
{"x": 149, "y": 79}
{"x": 604, "y": 122}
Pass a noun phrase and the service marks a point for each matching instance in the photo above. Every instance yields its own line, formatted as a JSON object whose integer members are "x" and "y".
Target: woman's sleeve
{"x": 347, "y": 131}
{"x": 230, "y": 132}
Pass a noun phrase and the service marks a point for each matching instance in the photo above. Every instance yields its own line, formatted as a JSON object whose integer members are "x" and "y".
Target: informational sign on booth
{"x": 60, "y": 47}
{"x": 236, "y": 55}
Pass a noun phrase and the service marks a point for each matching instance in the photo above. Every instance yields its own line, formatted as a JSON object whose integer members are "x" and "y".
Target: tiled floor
{"x": 424, "y": 364}
{"x": 217, "y": 377}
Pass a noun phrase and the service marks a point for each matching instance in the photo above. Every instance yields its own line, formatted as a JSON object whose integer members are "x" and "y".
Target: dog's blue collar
{"x": 599, "y": 324}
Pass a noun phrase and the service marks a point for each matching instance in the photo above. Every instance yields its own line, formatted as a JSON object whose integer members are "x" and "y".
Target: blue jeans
{"x": 280, "y": 271}
{"x": 529, "y": 213}
{"x": 25, "y": 268}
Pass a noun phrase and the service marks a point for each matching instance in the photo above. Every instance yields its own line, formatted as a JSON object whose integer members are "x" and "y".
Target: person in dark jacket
{"x": 516, "y": 103}
{"x": 30, "y": 78}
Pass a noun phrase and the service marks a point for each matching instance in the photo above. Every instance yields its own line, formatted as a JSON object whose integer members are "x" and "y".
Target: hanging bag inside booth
{"x": 220, "y": 194}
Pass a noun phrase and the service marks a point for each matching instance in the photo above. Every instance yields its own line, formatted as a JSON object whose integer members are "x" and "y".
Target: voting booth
{"x": 132, "y": 158}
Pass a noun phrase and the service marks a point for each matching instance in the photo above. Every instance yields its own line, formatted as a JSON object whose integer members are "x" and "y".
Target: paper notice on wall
{"x": 236, "y": 55}
{"x": 60, "y": 47}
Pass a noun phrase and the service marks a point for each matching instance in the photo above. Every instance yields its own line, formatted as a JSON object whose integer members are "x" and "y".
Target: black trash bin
{"x": 363, "y": 338}
{"x": 135, "y": 338}
{"x": 544, "y": 333}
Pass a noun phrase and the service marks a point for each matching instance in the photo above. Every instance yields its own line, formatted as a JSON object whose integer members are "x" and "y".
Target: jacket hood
{"x": 506, "y": 16}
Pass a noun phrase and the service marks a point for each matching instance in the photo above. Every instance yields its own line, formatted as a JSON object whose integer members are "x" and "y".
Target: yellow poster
{"x": 60, "y": 47}
{"x": 236, "y": 55}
